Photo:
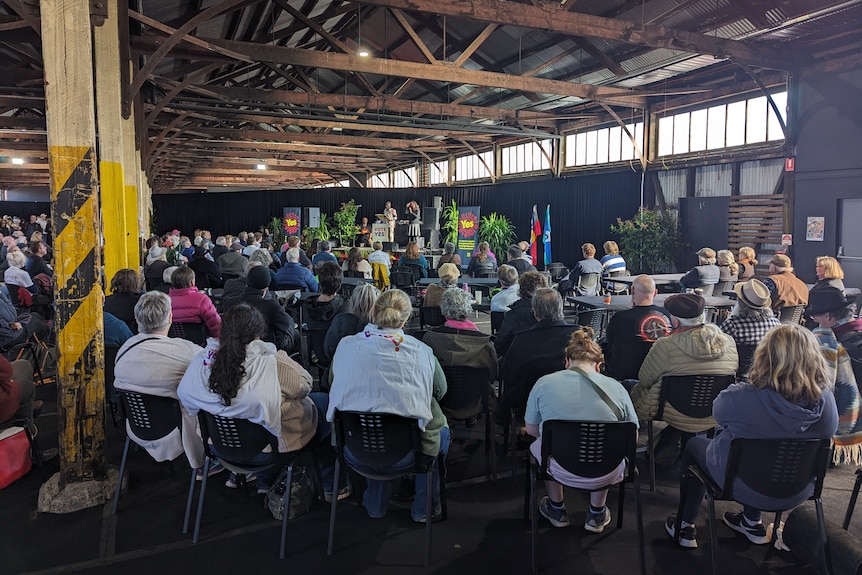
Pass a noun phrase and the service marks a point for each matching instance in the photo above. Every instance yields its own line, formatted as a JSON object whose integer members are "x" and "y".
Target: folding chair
{"x": 194, "y": 332}
{"x": 430, "y": 316}
{"x": 468, "y": 387}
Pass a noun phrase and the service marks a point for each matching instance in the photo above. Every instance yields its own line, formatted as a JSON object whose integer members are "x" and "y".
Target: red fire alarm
{"x": 789, "y": 164}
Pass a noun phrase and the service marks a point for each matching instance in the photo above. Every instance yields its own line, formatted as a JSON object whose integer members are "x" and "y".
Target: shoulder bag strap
{"x": 601, "y": 393}
{"x": 125, "y": 351}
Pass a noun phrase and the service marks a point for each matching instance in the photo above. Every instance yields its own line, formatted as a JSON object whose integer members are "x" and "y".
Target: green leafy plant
{"x": 322, "y": 232}
{"x": 498, "y": 231}
{"x": 277, "y": 235}
{"x": 650, "y": 242}
{"x": 345, "y": 223}
{"x": 450, "y": 223}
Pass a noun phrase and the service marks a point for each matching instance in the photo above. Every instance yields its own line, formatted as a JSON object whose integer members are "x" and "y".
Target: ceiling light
{"x": 18, "y": 161}
{"x": 261, "y": 166}
{"x": 363, "y": 52}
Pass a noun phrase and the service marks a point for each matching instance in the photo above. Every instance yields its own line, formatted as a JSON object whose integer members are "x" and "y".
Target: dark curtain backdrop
{"x": 582, "y": 208}
{"x": 24, "y": 209}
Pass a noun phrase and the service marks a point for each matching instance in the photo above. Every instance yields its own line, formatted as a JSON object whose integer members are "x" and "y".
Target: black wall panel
{"x": 582, "y": 208}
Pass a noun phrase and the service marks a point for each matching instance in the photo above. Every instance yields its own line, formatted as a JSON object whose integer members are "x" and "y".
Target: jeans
{"x": 377, "y": 494}
{"x": 695, "y": 452}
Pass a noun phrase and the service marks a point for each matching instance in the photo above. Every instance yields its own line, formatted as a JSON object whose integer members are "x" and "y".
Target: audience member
{"x": 747, "y": 260}
{"x": 17, "y": 392}
{"x": 17, "y": 327}
{"x": 293, "y": 242}
{"x": 355, "y": 263}
{"x": 115, "y": 332}
{"x": 293, "y": 275}
{"x": 631, "y": 333}
{"x": 508, "y": 294}
{"x": 705, "y": 274}
{"x": 481, "y": 263}
{"x": 191, "y": 306}
{"x": 319, "y": 312}
{"x": 450, "y": 256}
{"x": 516, "y": 260}
{"x": 577, "y": 393}
{"x": 728, "y": 269}
{"x": 125, "y": 292}
{"x": 280, "y": 328}
{"x": 449, "y": 275}
{"x": 156, "y": 264}
{"x": 520, "y": 315}
{"x": 354, "y": 320}
{"x": 153, "y": 363}
{"x": 785, "y": 288}
{"x": 232, "y": 263}
{"x": 829, "y": 308}
{"x": 207, "y": 272}
{"x": 752, "y": 315}
{"x": 829, "y": 273}
{"x": 15, "y": 276}
{"x": 221, "y": 248}
{"x": 612, "y": 261}
{"x": 539, "y": 349}
{"x": 243, "y": 377}
{"x": 36, "y": 263}
{"x": 414, "y": 260}
{"x": 783, "y": 398}
{"x": 324, "y": 254}
{"x": 370, "y": 374}
{"x": 165, "y": 285}
{"x": 588, "y": 265}
{"x": 459, "y": 343}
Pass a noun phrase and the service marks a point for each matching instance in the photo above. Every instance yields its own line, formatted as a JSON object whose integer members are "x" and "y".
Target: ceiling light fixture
{"x": 363, "y": 52}
{"x": 261, "y": 166}
{"x": 18, "y": 161}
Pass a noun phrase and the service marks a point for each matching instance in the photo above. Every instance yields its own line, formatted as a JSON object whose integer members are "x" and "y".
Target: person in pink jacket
{"x": 191, "y": 306}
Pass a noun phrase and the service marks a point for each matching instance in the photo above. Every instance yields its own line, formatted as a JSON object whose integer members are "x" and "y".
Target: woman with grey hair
{"x": 358, "y": 315}
{"x": 450, "y": 256}
{"x": 456, "y": 305}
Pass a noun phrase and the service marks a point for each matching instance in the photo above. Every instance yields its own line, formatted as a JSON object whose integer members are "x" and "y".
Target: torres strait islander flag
{"x": 535, "y": 234}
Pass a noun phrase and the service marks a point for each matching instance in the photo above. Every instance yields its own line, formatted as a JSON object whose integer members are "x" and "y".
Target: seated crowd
{"x": 548, "y": 366}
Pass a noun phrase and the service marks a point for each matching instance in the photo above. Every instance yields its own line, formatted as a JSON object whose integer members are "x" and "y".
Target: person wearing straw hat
{"x": 449, "y": 274}
{"x": 752, "y": 316}
{"x": 785, "y": 288}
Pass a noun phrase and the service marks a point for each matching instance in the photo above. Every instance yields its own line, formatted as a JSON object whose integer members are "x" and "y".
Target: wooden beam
{"x": 448, "y": 73}
{"x": 600, "y": 56}
{"x": 399, "y": 15}
{"x": 70, "y": 109}
{"x": 474, "y": 45}
{"x": 554, "y": 18}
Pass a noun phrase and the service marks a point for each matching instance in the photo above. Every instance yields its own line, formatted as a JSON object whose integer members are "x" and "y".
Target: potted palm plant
{"x": 450, "y": 223}
{"x": 498, "y": 231}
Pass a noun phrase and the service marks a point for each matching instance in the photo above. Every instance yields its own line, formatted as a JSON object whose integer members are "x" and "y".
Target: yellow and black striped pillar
{"x": 70, "y": 110}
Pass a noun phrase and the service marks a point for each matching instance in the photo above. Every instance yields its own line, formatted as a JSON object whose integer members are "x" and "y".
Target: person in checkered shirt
{"x": 752, "y": 317}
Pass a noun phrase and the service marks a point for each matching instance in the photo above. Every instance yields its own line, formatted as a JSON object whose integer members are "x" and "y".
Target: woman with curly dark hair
{"x": 243, "y": 377}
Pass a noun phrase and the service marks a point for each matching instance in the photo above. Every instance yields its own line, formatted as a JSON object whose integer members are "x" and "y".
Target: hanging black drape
{"x": 582, "y": 208}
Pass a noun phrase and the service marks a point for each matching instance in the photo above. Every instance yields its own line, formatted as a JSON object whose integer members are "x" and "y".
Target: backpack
{"x": 43, "y": 357}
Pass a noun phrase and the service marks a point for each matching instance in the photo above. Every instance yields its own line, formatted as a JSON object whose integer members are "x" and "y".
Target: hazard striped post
{"x": 67, "y": 54}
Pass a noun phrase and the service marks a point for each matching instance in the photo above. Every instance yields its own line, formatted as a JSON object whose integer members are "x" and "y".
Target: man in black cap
{"x": 829, "y": 308}
{"x": 281, "y": 329}
{"x": 694, "y": 347}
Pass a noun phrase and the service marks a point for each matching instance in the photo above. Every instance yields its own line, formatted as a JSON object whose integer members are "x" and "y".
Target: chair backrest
{"x": 588, "y": 284}
{"x": 778, "y": 468}
{"x": 588, "y": 448}
{"x": 376, "y": 439}
{"x": 593, "y": 318}
{"x": 557, "y": 270}
{"x": 431, "y": 316}
{"x": 194, "y": 332}
{"x": 353, "y": 274}
{"x": 791, "y": 314}
{"x": 746, "y": 356}
{"x": 235, "y": 440}
{"x": 401, "y": 276}
{"x": 692, "y": 395}
{"x": 497, "y": 320}
{"x": 464, "y": 386}
{"x": 721, "y": 287}
{"x": 316, "y": 339}
{"x": 487, "y": 275}
{"x": 414, "y": 269}
{"x": 150, "y": 417}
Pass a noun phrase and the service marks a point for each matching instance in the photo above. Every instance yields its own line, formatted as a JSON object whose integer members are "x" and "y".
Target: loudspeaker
{"x": 390, "y": 246}
{"x": 311, "y": 217}
{"x": 431, "y": 218}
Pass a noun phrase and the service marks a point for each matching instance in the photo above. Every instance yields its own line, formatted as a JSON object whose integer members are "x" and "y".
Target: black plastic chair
{"x": 690, "y": 395}
{"x": 496, "y": 321}
{"x": 586, "y": 449}
{"x": 557, "y": 270}
{"x": 110, "y": 392}
{"x": 791, "y": 314}
{"x": 238, "y": 441}
{"x": 776, "y": 468}
{"x": 353, "y": 274}
{"x": 594, "y": 318}
{"x": 401, "y": 277}
{"x": 194, "y": 332}
{"x": 487, "y": 275}
{"x": 746, "y": 356}
{"x": 381, "y": 440}
{"x": 150, "y": 417}
{"x": 854, "y": 495}
{"x": 588, "y": 284}
{"x": 612, "y": 288}
{"x": 466, "y": 388}
{"x": 431, "y": 316}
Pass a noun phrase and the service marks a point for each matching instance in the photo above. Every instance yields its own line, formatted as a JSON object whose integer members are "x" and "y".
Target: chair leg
{"x": 34, "y": 447}
{"x": 286, "y": 504}
{"x": 534, "y": 522}
{"x": 334, "y": 503}
{"x": 189, "y": 502}
{"x": 853, "y": 496}
{"x": 651, "y": 454}
{"x": 441, "y": 472}
{"x": 824, "y": 539}
{"x": 201, "y": 500}
{"x": 713, "y": 539}
{"x": 636, "y": 487}
{"x": 120, "y": 476}
{"x": 683, "y": 489}
{"x": 622, "y": 486}
{"x": 429, "y": 513}
{"x": 528, "y": 470}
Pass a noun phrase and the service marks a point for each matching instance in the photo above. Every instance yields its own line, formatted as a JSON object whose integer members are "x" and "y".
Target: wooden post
{"x": 112, "y": 133}
{"x": 67, "y": 55}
